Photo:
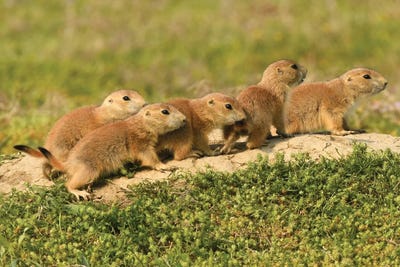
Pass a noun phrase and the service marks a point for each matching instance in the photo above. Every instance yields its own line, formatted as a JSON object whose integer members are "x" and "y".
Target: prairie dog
{"x": 70, "y": 128}
{"x": 263, "y": 104}
{"x": 107, "y": 148}
{"x": 203, "y": 115}
{"x": 323, "y": 105}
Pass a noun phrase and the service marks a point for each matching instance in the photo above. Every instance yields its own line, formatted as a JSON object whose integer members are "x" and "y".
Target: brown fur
{"x": 323, "y": 105}
{"x": 204, "y": 114}
{"x": 107, "y": 148}
{"x": 263, "y": 104}
{"x": 70, "y": 128}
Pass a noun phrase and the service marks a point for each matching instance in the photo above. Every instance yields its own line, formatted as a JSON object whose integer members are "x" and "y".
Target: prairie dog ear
{"x": 148, "y": 113}
{"x": 110, "y": 100}
{"x": 211, "y": 102}
{"x": 279, "y": 71}
{"x": 349, "y": 79}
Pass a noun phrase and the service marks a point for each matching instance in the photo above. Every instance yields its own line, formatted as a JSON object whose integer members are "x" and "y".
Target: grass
{"x": 58, "y": 55}
{"x": 302, "y": 212}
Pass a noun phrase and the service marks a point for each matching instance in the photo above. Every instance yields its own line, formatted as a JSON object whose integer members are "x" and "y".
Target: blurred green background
{"x": 58, "y": 55}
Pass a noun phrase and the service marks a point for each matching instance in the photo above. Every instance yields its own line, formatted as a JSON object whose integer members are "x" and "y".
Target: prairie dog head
{"x": 162, "y": 118}
{"x": 284, "y": 71}
{"x": 363, "y": 82}
{"x": 223, "y": 109}
{"x": 122, "y": 104}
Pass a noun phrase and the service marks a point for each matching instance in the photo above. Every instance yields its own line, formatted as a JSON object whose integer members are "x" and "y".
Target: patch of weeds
{"x": 302, "y": 212}
{"x": 129, "y": 169}
{"x": 9, "y": 157}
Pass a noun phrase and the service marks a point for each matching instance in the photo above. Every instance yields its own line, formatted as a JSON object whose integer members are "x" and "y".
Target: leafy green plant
{"x": 82, "y": 50}
{"x": 302, "y": 212}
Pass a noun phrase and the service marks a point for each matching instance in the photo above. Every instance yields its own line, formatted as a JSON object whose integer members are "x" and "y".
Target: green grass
{"x": 58, "y": 55}
{"x": 340, "y": 212}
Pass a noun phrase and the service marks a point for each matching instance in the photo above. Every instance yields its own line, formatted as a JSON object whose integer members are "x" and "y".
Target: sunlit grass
{"x": 86, "y": 49}
{"x": 332, "y": 212}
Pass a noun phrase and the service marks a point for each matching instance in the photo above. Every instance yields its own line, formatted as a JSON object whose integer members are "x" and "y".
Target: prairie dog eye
{"x": 294, "y": 66}
{"x": 126, "y": 98}
{"x": 366, "y": 76}
{"x": 165, "y": 112}
{"x": 228, "y": 106}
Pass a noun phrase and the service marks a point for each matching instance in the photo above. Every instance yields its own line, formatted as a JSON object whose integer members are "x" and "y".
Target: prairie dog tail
{"x": 55, "y": 163}
{"x": 30, "y": 151}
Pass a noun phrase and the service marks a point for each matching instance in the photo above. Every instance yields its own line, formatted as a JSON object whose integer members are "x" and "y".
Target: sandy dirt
{"x": 17, "y": 173}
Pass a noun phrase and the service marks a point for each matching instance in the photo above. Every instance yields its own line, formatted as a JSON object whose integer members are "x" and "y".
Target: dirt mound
{"x": 16, "y": 173}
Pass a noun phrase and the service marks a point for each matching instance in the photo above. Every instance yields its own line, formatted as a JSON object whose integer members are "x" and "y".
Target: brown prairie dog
{"x": 70, "y": 128}
{"x": 107, "y": 148}
{"x": 323, "y": 105}
{"x": 213, "y": 111}
{"x": 263, "y": 104}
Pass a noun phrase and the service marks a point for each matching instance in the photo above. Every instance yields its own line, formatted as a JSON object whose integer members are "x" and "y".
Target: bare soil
{"x": 23, "y": 170}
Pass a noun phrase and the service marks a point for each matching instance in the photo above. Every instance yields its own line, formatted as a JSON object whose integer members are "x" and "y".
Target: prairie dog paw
{"x": 225, "y": 149}
{"x": 164, "y": 167}
{"x": 344, "y": 132}
{"x": 80, "y": 194}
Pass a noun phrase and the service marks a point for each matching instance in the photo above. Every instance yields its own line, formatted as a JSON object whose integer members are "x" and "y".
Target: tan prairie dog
{"x": 107, "y": 148}
{"x": 323, "y": 105}
{"x": 263, "y": 104}
{"x": 213, "y": 111}
{"x": 70, "y": 128}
